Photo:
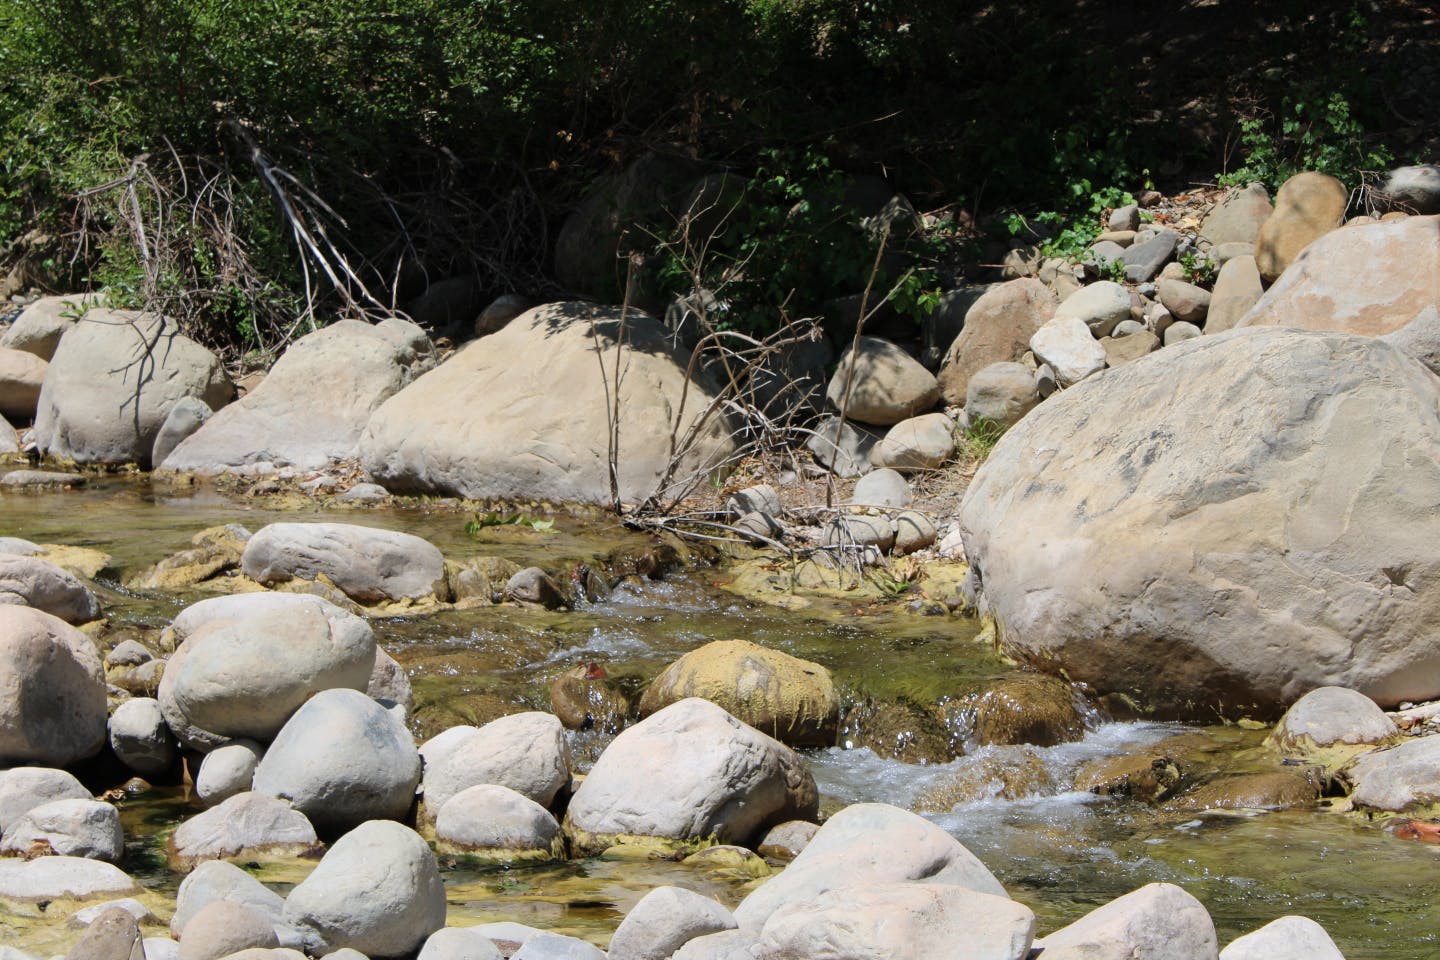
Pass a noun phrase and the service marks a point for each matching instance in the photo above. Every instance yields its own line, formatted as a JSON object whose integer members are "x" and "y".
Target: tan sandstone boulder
{"x": 1307, "y": 206}
{"x": 998, "y": 328}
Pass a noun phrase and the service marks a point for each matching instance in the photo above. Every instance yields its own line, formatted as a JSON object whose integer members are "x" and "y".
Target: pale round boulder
{"x": 368, "y": 564}
{"x": 246, "y": 825}
{"x": 1237, "y": 289}
{"x": 918, "y": 444}
{"x": 554, "y": 946}
{"x": 377, "y": 890}
{"x": 1288, "y": 938}
{"x": 342, "y": 759}
{"x": 913, "y": 531}
{"x": 457, "y": 943}
{"x": 313, "y": 405}
{"x": 1307, "y": 206}
{"x": 1158, "y": 920}
{"x": 883, "y": 488}
{"x": 904, "y": 921}
{"x": 869, "y": 844}
{"x": 688, "y": 773}
{"x": 69, "y": 828}
{"x": 112, "y": 382}
{"x": 1379, "y": 280}
{"x": 492, "y": 421}
{"x": 1100, "y": 306}
{"x": 1067, "y": 347}
{"x": 245, "y": 663}
{"x": 1329, "y": 718}
{"x": 1001, "y": 394}
{"x": 227, "y": 770}
{"x": 523, "y": 751}
{"x": 187, "y": 416}
{"x": 1263, "y": 530}
{"x": 784, "y": 841}
{"x": 52, "y": 690}
{"x": 1238, "y": 217}
{"x": 663, "y": 921}
{"x": 790, "y": 699}
{"x": 140, "y": 737}
{"x": 114, "y": 935}
{"x": 1399, "y": 779}
{"x": 497, "y": 823}
{"x": 63, "y": 878}
{"x": 223, "y": 927}
{"x": 998, "y": 328}
{"x": 41, "y": 324}
{"x": 882, "y": 385}
{"x": 221, "y": 881}
{"x": 24, "y": 788}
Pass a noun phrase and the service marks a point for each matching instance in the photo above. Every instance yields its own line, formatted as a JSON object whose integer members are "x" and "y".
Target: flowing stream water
{"x": 1059, "y": 851}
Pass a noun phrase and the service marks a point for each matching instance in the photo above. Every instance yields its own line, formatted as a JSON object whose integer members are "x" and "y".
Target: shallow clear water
{"x": 1059, "y": 851}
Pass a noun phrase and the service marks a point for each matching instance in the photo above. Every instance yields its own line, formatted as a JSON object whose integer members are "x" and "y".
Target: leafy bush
{"x": 1318, "y": 132}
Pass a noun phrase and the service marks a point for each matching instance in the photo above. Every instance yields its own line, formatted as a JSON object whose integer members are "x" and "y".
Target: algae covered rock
{"x": 790, "y": 699}
{"x": 1330, "y": 725}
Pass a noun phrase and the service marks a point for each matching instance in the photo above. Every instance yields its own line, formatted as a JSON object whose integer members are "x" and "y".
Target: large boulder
{"x": 1307, "y": 206}
{"x": 377, "y": 890}
{"x": 790, "y": 699}
{"x": 24, "y": 788}
{"x": 525, "y": 413}
{"x": 42, "y": 323}
{"x": 112, "y": 382}
{"x": 868, "y": 844}
{"x": 1239, "y": 217}
{"x": 313, "y": 405}
{"x": 881, "y": 385}
{"x": 663, "y": 921}
{"x": 523, "y": 751}
{"x": 40, "y": 584}
{"x": 342, "y": 759}
{"x": 689, "y": 773}
{"x": 219, "y": 880}
{"x": 1376, "y": 280}
{"x": 899, "y": 921}
{"x": 21, "y": 377}
{"x": 1331, "y": 724}
{"x": 498, "y": 824}
{"x": 997, "y": 329}
{"x": 52, "y": 690}
{"x": 366, "y": 563}
{"x": 246, "y": 825}
{"x": 245, "y": 663}
{"x": 1263, "y": 530}
{"x": 70, "y": 828}
{"x": 1157, "y": 921}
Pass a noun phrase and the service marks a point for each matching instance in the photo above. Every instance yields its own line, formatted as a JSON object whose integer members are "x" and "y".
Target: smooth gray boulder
{"x": 1330, "y": 716}
{"x": 112, "y": 382}
{"x": 1100, "y": 306}
{"x": 686, "y": 773}
{"x": 342, "y": 759}
{"x": 663, "y": 921}
{"x": 24, "y": 788}
{"x": 498, "y": 823}
{"x": 869, "y": 843}
{"x": 918, "y": 444}
{"x": 525, "y": 413}
{"x": 223, "y": 927}
{"x": 313, "y": 405}
{"x": 42, "y": 323}
{"x": 63, "y": 878}
{"x": 1001, "y": 394}
{"x": 140, "y": 737}
{"x": 220, "y": 880}
{"x": 53, "y": 710}
{"x": 1288, "y": 938}
{"x": 1069, "y": 349}
{"x": 883, "y": 488}
{"x": 369, "y": 564}
{"x": 1157, "y": 921}
{"x": 70, "y": 828}
{"x": 554, "y": 946}
{"x": 227, "y": 770}
{"x": 377, "y": 890}
{"x": 37, "y": 583}
{"x": 899, "y": 921}
{"x": 188, "y": 415}
{"x": 523, "y": 751}
{"x": 247, "y": 824}
{"x": 1263, "y": 530}
{"x": 842, "y": 447}
{"x": 458, "y": 943}
{"x": 882, "y": 385}
{"x": 1399, "y": 779}
{"x": 243, "y": 664}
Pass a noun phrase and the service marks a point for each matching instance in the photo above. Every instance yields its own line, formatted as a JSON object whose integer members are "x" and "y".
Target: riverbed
{"x": 1059, "y": 851}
